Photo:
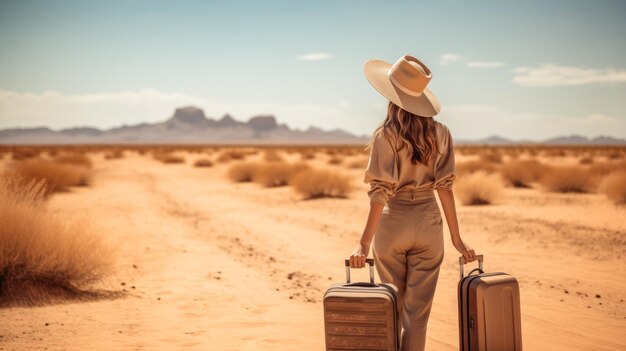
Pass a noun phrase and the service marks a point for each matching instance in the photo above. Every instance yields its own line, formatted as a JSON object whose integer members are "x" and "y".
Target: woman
{"x": 411, "y": 156}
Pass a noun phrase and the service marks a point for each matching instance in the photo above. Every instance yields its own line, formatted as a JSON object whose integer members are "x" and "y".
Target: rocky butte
{"x": 188, "y": 125}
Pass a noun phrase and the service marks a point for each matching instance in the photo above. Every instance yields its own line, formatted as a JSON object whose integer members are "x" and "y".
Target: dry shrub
{"x": 586, "y": 160}
{"x": 312, "y": 184}
{"x": 307, "y": 155}
{"x": 492, "y": 157}
{"x": 24, "y": 154}
{"x": 358, "y": 164}
{"x": 42, "y": 254}
{"x": 335, "y": 160}
{"x": 555, "y": 153}
{"x": 231, "y": 155}
{"x": 169, "y": 158}
{"x": 533, "y": 152}
{"x": 290, "y": 150}
{"x": 203, "y": 162}
{"x": 479, "y": 188}
{"x": 521, "y": 174}
{"x": 601, "y": 169}
{"x": 273, "y": 174}
{"x": 74, "y": 159}
{"x": 249, "y": 151}
{"x": 614, "y": 187}
{"x": 569, "y": 179}
{"x": 300, "y": 166}
{"x": 243, "y": 171}
{"x": 117, "y": 154}
{"x": 57, "y": 176}
{"x": 470, "y": 167}
{"x": 272, "y": 156}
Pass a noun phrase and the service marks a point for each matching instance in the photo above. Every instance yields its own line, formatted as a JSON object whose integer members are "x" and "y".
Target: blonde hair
{"x": 417, "y": 133}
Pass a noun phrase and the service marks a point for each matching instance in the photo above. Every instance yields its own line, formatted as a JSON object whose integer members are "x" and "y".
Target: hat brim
{"x": 425, "y": 105}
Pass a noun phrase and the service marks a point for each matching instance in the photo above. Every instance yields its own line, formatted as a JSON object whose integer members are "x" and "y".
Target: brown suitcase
{"x": 361, "y": 316}
{"x": 489, "y": 311}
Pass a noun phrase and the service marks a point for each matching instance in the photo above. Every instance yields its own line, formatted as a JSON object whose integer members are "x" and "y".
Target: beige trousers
{"x": 408, "y": 251}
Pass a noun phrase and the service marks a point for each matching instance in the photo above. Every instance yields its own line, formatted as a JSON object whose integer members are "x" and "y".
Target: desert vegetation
{"x": 230, "y": 155}
{"x": 272, "y": 174}
{"x": 56, "y": 176}
{"x": 562, "y": 169}
{"x": 614, "y": 187}
{"x": 306, "y": 181}
{"x": 335, "y": 160}
{"x": 567, "y": 179}
{"x": 307, "y": 155}
{"x": 359, "y": 163}
{"x": 479, "y": 188}
{"x": 118, "y": 154}
{"x": 522, "y": 173}
{"x": 312, "y": 184}
{"x": 43, "y": 255}
{"x": 203, "y": 162}
{"x": 272, "y": 156}
{"x": 243, "y": 172}
{"x": 167, "y": 157}
{"x": 74, "y": 159}
{"x": 468, "y": 167}
{"x": 25, "y": 153}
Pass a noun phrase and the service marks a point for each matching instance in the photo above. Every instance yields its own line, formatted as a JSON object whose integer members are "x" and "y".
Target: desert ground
{"x": 206, "y": 263}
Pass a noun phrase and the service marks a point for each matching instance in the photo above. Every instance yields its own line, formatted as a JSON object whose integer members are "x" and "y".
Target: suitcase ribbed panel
{"x": 352, "y": 317}
{"x": 365, "y": 305}
{"x": 342, "y": 329}
{"x": 360, "y": 319}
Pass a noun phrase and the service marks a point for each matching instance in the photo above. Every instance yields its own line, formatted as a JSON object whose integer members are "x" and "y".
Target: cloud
{"x": 552, "y": 75}
{"x": 110, "y": 109}
{"x": 316, "y": 56}
{"x": 345, "y": 104}
{"x": 479, "y": 121}
{"x": 485, "y": 64}
{"x": 447, "y": 59}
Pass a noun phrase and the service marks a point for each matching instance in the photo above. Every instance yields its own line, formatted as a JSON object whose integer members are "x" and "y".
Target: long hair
{"x": 417, "y": 133}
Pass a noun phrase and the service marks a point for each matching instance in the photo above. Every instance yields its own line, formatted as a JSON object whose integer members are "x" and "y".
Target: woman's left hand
{"x": 358, "y": 256}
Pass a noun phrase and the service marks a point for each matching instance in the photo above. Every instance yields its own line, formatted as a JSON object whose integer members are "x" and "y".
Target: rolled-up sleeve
{"x": 445, "y": 169}
{"x": 382, "y": 171}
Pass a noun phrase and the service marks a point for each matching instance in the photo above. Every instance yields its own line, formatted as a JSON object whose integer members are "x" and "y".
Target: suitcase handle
{"x": 369, "y": 261}
{"x": 462, "y": 262}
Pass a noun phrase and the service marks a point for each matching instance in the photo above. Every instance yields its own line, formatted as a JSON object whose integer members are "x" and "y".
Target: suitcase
{"x": 361, "y": 316}
{"x": 489, "y": 310}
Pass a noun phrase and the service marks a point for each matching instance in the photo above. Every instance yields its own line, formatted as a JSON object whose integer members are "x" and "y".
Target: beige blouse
{"x": 390, "y": 170}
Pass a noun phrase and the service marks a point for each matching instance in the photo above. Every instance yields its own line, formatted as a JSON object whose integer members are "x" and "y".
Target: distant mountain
{"x": 490, "y": 140}
{"x": 579, "y": 139}
{"x": 188, "y": 125}
{"x": 562, "y": 140}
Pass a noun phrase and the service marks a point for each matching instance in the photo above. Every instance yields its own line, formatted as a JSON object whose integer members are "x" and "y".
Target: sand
{"x": 206, "y": 264}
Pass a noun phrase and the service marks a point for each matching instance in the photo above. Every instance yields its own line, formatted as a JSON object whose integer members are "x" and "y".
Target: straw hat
{"x": 404, "y": 83}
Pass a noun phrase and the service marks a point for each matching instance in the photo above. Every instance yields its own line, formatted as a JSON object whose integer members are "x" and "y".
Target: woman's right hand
{"x": 358, "y": 255}
{"x": 465, "y": 250}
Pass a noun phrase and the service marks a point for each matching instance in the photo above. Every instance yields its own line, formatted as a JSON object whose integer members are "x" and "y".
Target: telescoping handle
{"x": 369, "y": 261}
{"x": 462, "y": 262}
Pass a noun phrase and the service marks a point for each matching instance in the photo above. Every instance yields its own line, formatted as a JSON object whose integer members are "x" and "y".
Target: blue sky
{"x": 520, "y": 69}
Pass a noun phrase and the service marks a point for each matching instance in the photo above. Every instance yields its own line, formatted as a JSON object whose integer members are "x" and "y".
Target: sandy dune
{"x": 211, "y": 265}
